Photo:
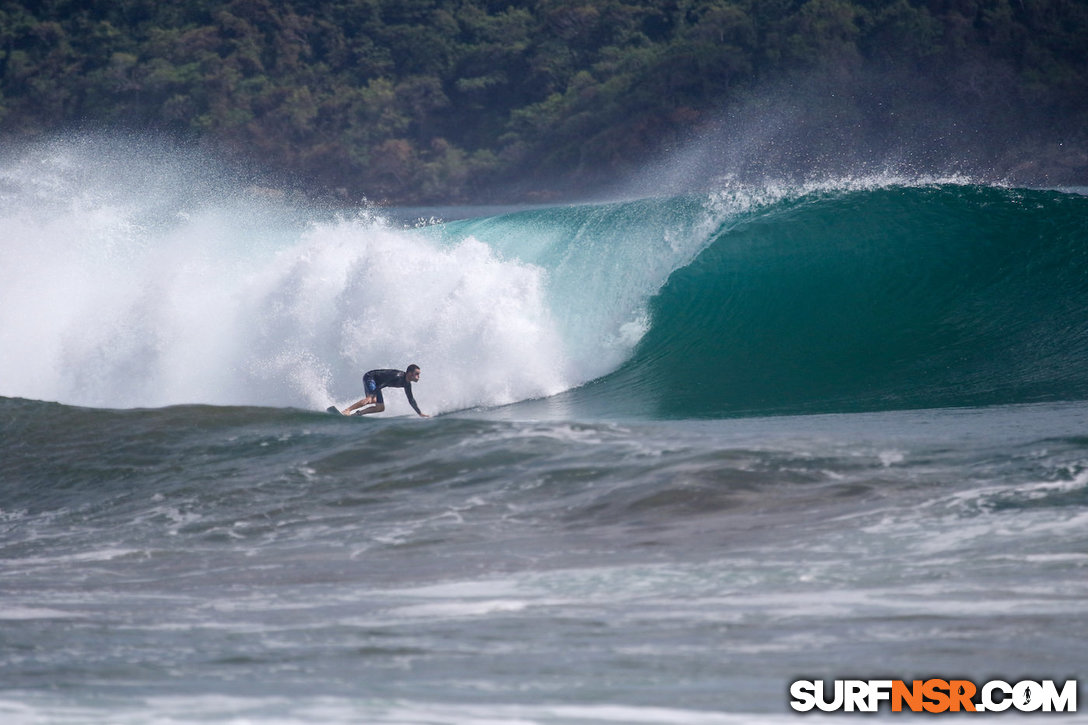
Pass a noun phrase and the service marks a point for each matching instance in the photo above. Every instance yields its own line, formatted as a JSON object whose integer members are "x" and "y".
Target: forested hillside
{"x": 442, "y": 100}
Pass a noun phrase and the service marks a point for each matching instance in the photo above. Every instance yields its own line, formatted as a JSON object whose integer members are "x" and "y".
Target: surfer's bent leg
{"x": 375, "y": 408}
{"x": 373, "y": 397}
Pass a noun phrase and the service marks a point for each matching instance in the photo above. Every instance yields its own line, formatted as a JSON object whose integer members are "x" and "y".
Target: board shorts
{"x": 371, "y": 387}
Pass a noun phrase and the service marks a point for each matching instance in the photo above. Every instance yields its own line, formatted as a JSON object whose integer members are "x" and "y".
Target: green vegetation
{"x": 425, "y": 100}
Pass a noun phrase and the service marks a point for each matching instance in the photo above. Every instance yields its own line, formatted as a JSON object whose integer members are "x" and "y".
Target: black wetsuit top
{"x": 375, "y": 380}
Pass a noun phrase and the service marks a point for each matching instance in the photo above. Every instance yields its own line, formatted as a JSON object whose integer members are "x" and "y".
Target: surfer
{"x": 375, "y": 380}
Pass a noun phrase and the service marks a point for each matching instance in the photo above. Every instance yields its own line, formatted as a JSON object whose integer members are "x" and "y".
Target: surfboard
{"x": 333, "y": 410}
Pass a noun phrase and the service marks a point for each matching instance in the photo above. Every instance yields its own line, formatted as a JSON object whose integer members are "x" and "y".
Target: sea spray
{"x": 125, "y": 295}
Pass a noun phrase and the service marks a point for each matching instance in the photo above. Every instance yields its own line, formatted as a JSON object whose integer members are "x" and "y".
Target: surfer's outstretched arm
{"x": 412, "y": 399}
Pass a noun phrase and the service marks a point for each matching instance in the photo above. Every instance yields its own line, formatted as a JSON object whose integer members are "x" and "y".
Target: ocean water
{"x": 686, "y": 450}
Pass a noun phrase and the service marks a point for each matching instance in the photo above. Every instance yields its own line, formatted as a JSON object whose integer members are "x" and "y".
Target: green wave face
{"x": 862, "y": 300}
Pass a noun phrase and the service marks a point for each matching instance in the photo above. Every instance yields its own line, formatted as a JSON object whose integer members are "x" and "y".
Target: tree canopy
{"x": 443, "y": 100}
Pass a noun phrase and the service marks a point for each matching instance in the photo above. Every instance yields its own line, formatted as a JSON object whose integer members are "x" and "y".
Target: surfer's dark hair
{"x": 412, "y": 368}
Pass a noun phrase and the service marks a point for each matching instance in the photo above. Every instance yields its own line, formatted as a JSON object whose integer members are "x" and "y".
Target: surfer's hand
{"x": 424, "y": 415}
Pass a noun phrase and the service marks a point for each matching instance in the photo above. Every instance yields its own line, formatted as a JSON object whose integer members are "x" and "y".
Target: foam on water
{"x": 116, "y": 294}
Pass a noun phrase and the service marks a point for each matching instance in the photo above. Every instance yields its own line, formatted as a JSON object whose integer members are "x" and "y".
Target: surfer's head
{"x": 412, "y": 373}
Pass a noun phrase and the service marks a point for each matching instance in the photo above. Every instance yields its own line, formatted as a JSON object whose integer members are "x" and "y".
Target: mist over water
{"x": 844, "y": 122}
